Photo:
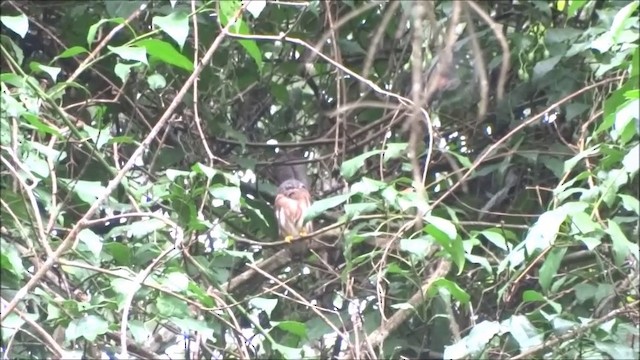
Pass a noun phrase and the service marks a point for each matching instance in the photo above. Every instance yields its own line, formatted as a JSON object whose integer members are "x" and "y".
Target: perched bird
{"x": 291, "y": 204}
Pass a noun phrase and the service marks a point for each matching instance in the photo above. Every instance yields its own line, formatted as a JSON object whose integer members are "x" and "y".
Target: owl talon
{"x": 303, "y": 233}
{"x": 288, "y": 238}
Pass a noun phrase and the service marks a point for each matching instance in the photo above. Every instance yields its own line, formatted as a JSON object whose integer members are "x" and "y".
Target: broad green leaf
{"x": 88, "y": 327}
{"x": 293, "y": 327}
{"x": 92, "y": 241}
{"x": 418, "y": 247}
{"x": 351, "y": 166}
{"x": 616, "y": 350}
{"x": 575, "y": 6}
{"x": 170, "y": 306}
{"x": 231, "y": 194}
{"x": 19, "y": 24}
{"x": 12, "y": 323}
{"x": 453, "y": 288}
{"x": 121, "y": 253}
{"x": 156, "y": 82}
{"x": 39, "y": 125}
{"x": 621, "y": 245}
{"x": 630, "y": 203}
{"x": 52, "y": 71}
{"x": 189, "y": 324}
{"x": 569, "y": 164}
{"x": 123, "y": 70}
{"x": 366, "y": 186}
{"x": 581, "y": 223}
{"x": 163, "y": 51}
{"x": 264, "y": 304}
{"x": 475, "y": 342}
{"x": 495, "y": 237}
{"x": 91, "y": 34}
{"x": 71, "y": 52}
{"x": 544, "y": 232}
{"x": 356, "y": 209}
{"x": 550, "y": 267}
{"x": 176, "y": 281}
{"x": 631, "y": 161}
{"x": 544, "y": 66}
{"x": 87, "y": 191}
{"x": 444, "y": 225}
{"x": 100, "y": 137}
{"x": 523, "y": 332}
{"x": 176, "y": 25}
{"x": 11, "y": 259}
{"x": 133, "y": 53}
{"x": 255, "y": 7}
{"x": 288, "y": 353}
{"x": 320, "y": 206}
{"x": 621, "y": 17}
{"x": 394, "y": 150}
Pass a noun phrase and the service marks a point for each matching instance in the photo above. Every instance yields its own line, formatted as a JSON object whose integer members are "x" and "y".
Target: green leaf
{"x": 495, "y": 237}
{"x": 264, "y": 304}
{"x": 92, "y": 241}
{"x": 176, "y": 281}
{"x": 550, "y": 267}
{"x": 163, "y": 51}
{"x": 351, "y": 166}
{"x": 394, "y": 150}
{"x": 288, "y": 353}
{"x": 453, "y": 288}
{"x": 11, "y": 259}
{"x": 19, "y": 24}
{"x": 443, "y": 225}
{"x": 293, "y": 327}
{"x": 171, "y": 306}
{"x": 418, "y": 247}
{"x": 544, "y": 66}
{"x": 621, "y": 245}
{"x": 630, "y": 203}
{"x": 156, "y": 82}
{"x": 352, "y": 210}
{"x": 70, "y": 52}
{"x": 620, "y": 19}
{"x": 87, "y": 191}
{"x": 88, "y": 327}
{"x": 523, "y": 331}
{"x": 188, "y": 325}
{"x": 52, "y": 71}
{"x": 34, "y": 121}
{"x": 231, "y": 194}
{"x": 631, "y": 161}
{"x": 176, "y": 25}
{"x": 255, "y": 7}
{"x": 123, "y": 70}
{"x": 544, "y": 232}
{"x": 366, "y": 186}
{"x": 12, "y": 323}
{"x": 91, "y": 34}
{"x": 100, "y": 137}
{"x": 121, "y": 253}
{"x": 320, "y": 206}
{"x": 575, "y": 6}
{"x": 475, "y": 343}
{"x": 126, "y": 52}
{"x": 569, "y": 164}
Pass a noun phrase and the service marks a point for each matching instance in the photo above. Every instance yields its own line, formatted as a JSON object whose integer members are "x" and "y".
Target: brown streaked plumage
{"x": 291, "y": 204}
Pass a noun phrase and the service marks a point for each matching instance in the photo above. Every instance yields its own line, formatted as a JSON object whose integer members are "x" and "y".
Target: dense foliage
{"x": 473, "y": 165}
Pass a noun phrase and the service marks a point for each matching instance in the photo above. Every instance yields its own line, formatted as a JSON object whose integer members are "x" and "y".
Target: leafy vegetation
{"x": 474, "y": 169}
